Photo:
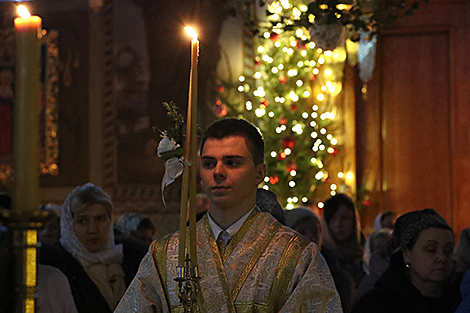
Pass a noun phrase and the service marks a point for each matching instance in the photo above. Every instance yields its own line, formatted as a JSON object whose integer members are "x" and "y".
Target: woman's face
{"x": 92, "y": 226}
{"x": 430, "y": 260}
{"x": 342, "y": 224}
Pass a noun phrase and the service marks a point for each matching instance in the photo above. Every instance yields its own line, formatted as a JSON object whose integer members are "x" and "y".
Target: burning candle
{"x": 190, "y": 154}
{"x": 26, "y": 112}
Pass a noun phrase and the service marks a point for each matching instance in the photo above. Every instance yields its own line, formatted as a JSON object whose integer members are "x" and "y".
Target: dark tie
{"x": 222, "y": 241}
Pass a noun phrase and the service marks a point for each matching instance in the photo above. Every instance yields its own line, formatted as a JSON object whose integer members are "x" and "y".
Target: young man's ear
{"x": 261, "y": 172}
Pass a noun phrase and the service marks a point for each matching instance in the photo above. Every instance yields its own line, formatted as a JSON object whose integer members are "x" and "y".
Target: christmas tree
{"x": 291, "y": 95}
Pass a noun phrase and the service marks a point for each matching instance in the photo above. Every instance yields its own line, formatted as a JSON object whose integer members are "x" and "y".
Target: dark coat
{"x": 86, "y": 295}
{"x": 393, "y": 293}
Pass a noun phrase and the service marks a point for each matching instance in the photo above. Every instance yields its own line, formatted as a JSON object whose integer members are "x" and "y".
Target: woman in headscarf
{"x": 308, "y": 224}
{"x": 341, "y": 236}
{"x": 87, "y": 253}
{"x": 420, "y": 276}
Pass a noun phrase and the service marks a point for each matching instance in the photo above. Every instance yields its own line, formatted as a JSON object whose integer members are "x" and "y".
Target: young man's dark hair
{"x": 237, "y": 127}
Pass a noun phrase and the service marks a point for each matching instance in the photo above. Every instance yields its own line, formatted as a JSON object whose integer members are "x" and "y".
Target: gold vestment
{"x": 266, "y": 267}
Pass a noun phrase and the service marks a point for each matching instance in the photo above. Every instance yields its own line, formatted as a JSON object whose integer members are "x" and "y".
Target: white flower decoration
{"x": 166, "y": 144}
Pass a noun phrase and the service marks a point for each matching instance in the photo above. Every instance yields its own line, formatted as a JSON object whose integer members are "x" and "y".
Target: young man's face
{"x": 228, "y": 174}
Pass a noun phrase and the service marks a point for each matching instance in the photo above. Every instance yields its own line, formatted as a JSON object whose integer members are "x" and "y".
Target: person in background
{"x": 383, "y": 221}
{"x": 342, "y": 236}
{"x": 137, "y": 226}
{"x": 266, "y": 200}
{"x": 95, "y": 266}
{"x": 248, "y": 260}
{"x": 380, "y": 260}
{"x": 50, "y": 234}
{"x": 462, "y": 252}
{"x": 464, "y": 306}
{"x": 420, "y": 276}
{"x": 306, "y": 223}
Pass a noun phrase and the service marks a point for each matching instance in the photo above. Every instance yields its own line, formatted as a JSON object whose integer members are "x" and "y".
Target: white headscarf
{"x": 111, "y": 253}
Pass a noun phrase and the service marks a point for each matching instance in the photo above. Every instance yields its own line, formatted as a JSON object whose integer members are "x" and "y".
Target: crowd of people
{"x": 253, "y": 255}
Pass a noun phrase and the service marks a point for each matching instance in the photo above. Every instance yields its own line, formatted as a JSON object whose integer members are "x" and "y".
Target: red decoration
{"x": 220, "y": 89}
{"x": 281, "y": 156}
{"x": 291, "y": 166}
{"x": 313, "y": 77}
{"x": 274, "y": 179}
{"x": 264, "y": 103}
{"x": 366, "y": 201}
{"x": 288, "y": 142}
{"x": 282, "y": 79}
{"x": 283, "y": 120}
{"x": 293, "y": 107}
{"x": 219, "y": 109}
{"x": 335, "y": 151}
{"x": 274, "y": 36}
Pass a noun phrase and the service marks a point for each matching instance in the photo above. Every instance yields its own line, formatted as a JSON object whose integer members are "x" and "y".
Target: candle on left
{"x": 26, "y": 112}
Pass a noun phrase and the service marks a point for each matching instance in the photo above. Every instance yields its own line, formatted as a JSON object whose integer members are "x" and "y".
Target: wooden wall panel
{"x": 416, "y": 117}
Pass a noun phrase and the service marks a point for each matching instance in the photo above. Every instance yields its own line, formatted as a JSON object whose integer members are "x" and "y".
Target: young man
{"x": 264, "y": 267}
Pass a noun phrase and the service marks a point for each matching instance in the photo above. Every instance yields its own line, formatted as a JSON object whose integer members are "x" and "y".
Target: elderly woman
{"x": 87, "y": 253}
{"x": 419, "y": 277}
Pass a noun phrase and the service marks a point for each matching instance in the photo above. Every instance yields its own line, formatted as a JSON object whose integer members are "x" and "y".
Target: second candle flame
{"x": 191, "y": 32}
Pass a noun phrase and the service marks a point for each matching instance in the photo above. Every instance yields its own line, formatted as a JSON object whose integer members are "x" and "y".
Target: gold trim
{"x": 209, "y": 238}
{"x": 284, "y": 272}
{"x": 261, "y": 247}
{"x": 160, "y": 257}
{"x": 240, "y": 234}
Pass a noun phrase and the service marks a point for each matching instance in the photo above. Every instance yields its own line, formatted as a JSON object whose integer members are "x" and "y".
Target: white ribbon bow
{"x": 173, "y": 169}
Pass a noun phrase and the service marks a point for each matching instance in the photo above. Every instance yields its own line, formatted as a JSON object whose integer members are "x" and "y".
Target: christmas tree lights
{"x": 292, "y": 97}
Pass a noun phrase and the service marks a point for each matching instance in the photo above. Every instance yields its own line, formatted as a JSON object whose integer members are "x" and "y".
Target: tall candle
{"x": 26, "y": 113}
{"x": 193, "y": 148}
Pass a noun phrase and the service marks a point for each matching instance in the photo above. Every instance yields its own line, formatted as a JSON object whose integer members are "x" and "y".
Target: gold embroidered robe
{"x": 266, "y": 267}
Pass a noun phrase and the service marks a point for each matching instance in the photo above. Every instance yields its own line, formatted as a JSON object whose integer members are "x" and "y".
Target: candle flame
{"x": 191, "y": 32}
{"x": 23, "y": 11}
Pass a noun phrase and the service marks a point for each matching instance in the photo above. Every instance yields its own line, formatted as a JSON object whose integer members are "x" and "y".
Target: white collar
{"x": 232, "y": 229}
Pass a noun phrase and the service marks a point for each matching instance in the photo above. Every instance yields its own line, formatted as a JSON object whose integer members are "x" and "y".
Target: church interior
{"x": 400, "y": 110}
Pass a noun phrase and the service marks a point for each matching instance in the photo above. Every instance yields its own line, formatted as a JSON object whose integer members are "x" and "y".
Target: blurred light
{"x": 305, "y": 115}
{"x": 320, "y": 97}
{"x": 306, "y": 93}
{"x": 299, "y": 83}
{"x": 287, "y": 151}
{"x": 292, "y": 184}
{"x": 314, "y": 135}
{"x": 316, "y": 71}
{"x": 257, "y": 75}
{"x": 241, "y": 78}
{"x": 249, "y": 105}
{"x": 260, "y": 112}
{"x": 271, "y": 114}
{"x": 273, "y": 154}
{"x": 293, "y": 173}
{"x": 260, "y": 49}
